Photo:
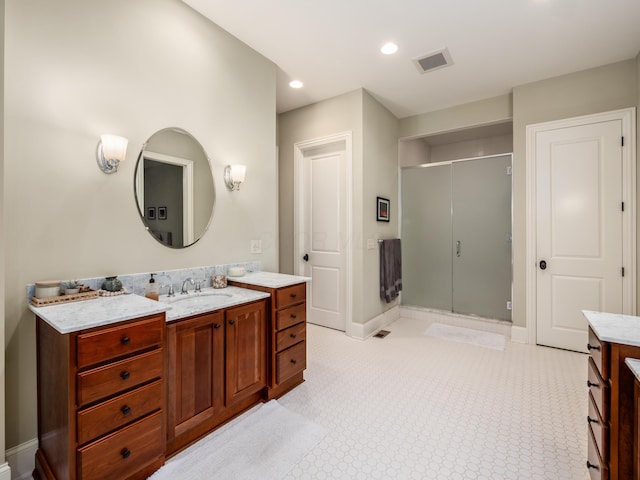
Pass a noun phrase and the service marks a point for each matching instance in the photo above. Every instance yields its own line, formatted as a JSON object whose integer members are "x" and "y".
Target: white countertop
{"x": 270, "y": 279}
{"x": 615, "y": 328}
{"x": 97, "y": 312}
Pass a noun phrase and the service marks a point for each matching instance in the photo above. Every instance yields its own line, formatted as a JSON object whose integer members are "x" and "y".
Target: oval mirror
{"x": 174, "y": 188}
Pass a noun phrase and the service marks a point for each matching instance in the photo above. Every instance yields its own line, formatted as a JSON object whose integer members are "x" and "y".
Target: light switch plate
{"x": 371, "y": 244}
{"x": 256, "y": 246}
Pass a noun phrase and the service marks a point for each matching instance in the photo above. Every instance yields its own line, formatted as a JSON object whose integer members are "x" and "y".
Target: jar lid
{"x": 48, "y": 283}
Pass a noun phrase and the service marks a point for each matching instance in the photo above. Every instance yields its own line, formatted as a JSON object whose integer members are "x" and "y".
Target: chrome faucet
{"x": 184, "y": 289}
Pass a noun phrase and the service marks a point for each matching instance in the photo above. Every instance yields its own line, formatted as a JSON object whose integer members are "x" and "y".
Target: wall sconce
{"x": 111, "y": 151}
{"x": 234, "y": 176}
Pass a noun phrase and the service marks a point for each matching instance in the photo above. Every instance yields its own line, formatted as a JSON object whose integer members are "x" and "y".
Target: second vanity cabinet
{"x": 217, "y": 366}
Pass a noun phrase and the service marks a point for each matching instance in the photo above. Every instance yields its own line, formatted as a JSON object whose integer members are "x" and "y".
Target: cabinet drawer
{"x": 291, "y": 316}
{"x": 598, "y": 469}
{"x": 123, "y": 453}
{"x": 108, "y": 416}
{"x": 290, "y": 295}
{"x": 108, "y": 343}
{"x": 291, "y": 361}
{"x": 119, "y": 376}
{"x": 599, "y": 428}
{"x": 290, "y": 336}
{"x": 599, "y": 351}
{"x": 599, "y": 389}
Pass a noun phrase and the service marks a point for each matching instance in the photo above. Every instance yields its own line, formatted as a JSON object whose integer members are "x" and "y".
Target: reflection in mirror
{"x": 174, "y": 188}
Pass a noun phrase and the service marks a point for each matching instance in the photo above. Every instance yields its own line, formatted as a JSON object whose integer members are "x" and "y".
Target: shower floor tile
{"x": 411, "y": 406}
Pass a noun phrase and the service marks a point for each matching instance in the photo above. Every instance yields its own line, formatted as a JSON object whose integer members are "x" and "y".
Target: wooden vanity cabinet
{"x": 287, "y": 336}
{"x": 611, "y": 410}
{"x": 217, "y": 367}
{"x": 101, "y": 408}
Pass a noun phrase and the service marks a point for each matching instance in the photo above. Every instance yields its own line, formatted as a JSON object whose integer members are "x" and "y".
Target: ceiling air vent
{"x": 433, "y": 61}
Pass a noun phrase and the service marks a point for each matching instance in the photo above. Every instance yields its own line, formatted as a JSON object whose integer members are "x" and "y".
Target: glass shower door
{"x": 426, "y": 237}
{"x": 481, "y": 212}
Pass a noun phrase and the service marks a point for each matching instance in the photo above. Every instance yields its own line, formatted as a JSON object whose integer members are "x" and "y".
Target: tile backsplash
{"x": 136, "y": 283}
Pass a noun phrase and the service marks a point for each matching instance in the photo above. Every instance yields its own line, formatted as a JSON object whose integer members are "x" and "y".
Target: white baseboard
{"x": 365, "y": 330}
{"x": 519, "y": 334}
{"x": 22, "y": 460}
{"x": 5, "y": 472}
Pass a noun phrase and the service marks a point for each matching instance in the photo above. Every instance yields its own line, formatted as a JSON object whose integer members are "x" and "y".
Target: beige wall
{"x": 417, "y": 151}
{"x": 78, "y": 68}
{"x": 601, "y": 89}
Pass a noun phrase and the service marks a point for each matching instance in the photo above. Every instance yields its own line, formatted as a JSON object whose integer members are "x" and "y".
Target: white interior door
{"x": 323, "y": 239}
{"x": 579, "y": 229}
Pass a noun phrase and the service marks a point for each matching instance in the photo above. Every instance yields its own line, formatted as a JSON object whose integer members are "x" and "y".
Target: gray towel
{"x": 390, "y": 269}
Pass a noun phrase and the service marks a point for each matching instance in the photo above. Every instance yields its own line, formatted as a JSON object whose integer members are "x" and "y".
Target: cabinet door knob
{"x": 126, "y": 410}
{"x": 591, "y": 347}
{"x": 591, "y": 420}
{"x": 125, "y": 340}
{"x": 294, "y": 361}
{"x": 293, "y": 335}
{"x": 294, "y": 316}
{"x": 217, "y": 326}
{"x": 294, "y": 295}
{"x": 591, "y": 465}
{"x": 125, "y": 375}
{"x": 232, "y": 322}
{"x": 125, "y": 453}
{"x": 590, "y": 384}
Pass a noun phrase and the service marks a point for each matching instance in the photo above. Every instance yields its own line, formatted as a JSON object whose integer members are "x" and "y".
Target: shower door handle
{"x": 458, "y": 248}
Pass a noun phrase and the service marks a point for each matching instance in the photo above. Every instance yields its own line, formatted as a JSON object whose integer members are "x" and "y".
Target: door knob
{"x": 306, "y": 257}
{"x": 543, "y": 265}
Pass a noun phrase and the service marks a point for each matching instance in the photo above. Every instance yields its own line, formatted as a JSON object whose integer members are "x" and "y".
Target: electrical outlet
{"x": 509, "y": 305}
{"x": 256, "y": 246}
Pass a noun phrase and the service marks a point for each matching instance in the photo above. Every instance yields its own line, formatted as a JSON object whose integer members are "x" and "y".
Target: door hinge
{"x": 623, "y": 271}
{"x": 509, "y": 170}
{"x": 622, "y": 141}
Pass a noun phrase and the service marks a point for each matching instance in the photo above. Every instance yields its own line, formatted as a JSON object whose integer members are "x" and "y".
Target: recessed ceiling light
{"x": 295, "y": 84}
{"x": 389, "y": 48}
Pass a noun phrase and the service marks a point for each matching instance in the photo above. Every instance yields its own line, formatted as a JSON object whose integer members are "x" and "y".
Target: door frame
{"x": 299, "y": 222}
{"x": 627, "y": 117}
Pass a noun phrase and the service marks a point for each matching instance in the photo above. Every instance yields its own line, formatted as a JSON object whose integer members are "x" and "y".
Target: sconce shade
{"x": 112, "y": 149}
{"x": 234, "y": 175}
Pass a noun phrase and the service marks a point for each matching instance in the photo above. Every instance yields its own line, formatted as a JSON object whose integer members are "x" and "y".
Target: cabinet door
{"x": 246, "y": 350}
{"x": 196, "y": 372}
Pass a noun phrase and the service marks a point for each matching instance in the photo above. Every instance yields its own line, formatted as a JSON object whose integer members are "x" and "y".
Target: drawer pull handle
{"x": 125, "y": 453}
{"x": 125, "y": 340}
{"x": 232, "y": 322}
{"x": 591, "y": 420}
{"x": 125, "y": 375}
{"x": 294, "y": 295}
{"x": 591, "y": 465}
{"x": 294, "y": 361}
{"x": 591, "y": 347}
{"x": 294, "y": 316}
{"x": 217, "y": 326}
{"x": 126, "y": 410}
{"x": 293, "y": 335}
{"x": 590, "y": 384}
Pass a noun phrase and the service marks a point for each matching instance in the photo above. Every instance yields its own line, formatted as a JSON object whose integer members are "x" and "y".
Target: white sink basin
{"x": 197, "y": 299}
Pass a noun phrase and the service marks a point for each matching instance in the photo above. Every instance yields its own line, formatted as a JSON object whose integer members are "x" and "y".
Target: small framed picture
{"x": 151, "y": 213}
{"x": 382, "y": 209}
{"x": 162, "y": 213}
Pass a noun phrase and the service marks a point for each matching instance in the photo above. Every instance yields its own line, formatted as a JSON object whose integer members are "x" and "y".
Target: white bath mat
{"x": 466, "y": 335}
{"x": 265, "y": 443}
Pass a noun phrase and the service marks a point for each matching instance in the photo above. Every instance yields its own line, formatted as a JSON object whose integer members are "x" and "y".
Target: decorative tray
{"x": 74, "y": 297}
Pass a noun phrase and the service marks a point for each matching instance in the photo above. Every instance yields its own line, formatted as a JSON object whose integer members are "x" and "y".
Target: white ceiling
{"x": 333, "y": 45}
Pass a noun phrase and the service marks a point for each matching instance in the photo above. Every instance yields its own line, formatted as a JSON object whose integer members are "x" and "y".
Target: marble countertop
{"x": 615, "y": 328}
{"x": 270, "y": 279}
{"x": 97, "y": 312}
